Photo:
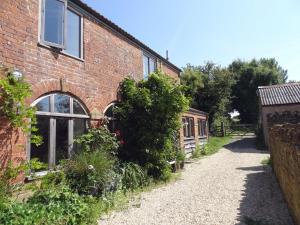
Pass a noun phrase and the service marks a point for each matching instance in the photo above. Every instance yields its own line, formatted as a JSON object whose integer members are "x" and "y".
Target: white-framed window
{"x": 60, "y": 119}
{"x": 62, "y": 27}
{"x": 149, "y": 64}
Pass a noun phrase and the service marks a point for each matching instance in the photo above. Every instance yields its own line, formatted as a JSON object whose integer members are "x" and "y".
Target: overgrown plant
{"x": 133, "y": 177}
{"x": 91, "y": 171}
{"x": 149, "y": 117}
{"x": 98, "y": 139}
{"x": 13, "y": 93}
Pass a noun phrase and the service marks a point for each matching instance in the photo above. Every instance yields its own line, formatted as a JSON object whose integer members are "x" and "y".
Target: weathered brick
{"x": 284, "y": 143}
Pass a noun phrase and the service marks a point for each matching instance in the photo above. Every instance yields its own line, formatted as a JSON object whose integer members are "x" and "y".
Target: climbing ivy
{"x": 13, "y": 93}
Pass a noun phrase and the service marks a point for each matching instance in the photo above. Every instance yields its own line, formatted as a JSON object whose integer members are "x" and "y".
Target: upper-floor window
{"x": 149, "y": 65}
{"x": 61, "y": 27}
{"x": 188, "y": 127}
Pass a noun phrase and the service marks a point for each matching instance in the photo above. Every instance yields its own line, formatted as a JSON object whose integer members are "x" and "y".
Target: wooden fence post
{"x": 223, "y": 131}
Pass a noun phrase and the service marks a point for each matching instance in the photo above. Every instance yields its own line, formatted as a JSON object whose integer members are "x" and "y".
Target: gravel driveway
{"x": 228, "y": 188}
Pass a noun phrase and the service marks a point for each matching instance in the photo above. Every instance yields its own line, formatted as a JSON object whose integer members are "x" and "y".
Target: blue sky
{"x": 196, "y": 31}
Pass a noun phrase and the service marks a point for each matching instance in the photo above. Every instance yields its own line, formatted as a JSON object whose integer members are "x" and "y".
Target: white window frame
{"x": 64, "y": 33}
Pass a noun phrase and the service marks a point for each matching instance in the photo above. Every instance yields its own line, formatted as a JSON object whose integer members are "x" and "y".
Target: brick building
{"x": 74, "y": 59}
{"x": 278, "y": 104}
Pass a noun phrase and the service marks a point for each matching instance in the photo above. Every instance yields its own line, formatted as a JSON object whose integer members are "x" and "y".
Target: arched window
{"x": 109, "y": 115}
{"x": 60, "y": 119}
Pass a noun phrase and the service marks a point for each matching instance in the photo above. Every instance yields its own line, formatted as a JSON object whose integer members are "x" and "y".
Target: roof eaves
{"x": 119, "y": 30}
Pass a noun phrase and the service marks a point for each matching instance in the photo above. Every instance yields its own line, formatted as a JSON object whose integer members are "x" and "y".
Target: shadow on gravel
{"x": 262, "y": 202}
{"x": 245, "y": 145}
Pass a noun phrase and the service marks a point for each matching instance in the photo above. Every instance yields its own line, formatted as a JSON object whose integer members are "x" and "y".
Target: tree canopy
{"x": 249, "y": 76}
{"x": 218, "y": 90}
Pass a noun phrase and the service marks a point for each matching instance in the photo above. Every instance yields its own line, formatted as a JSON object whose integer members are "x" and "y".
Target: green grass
{"x": 267, "y": 161}
{"x": 215, "y": 144}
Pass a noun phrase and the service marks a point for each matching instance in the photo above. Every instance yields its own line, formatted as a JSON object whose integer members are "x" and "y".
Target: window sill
{"x": 202, "y": 137}
{"x": 60, "y": 52}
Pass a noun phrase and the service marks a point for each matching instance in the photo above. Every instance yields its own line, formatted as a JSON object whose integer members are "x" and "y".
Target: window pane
{"x": 73, "y": 45}
{"x": 151, "y": 65}
{"x": 146, "y": 67}
{"x": 41, "y": 152}
{"x": 54, "y": 18}
{"x": 77, "y": 108}
{"x": 62, "y": 139}
{"x": 79, "y": 129}
{"x": 62, "y": 103}
{"x": 43, "y": 105}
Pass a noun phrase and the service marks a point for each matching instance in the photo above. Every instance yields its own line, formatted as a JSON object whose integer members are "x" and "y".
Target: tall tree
{"x": 249, "y": 76}
{"x": 210, "y": 87}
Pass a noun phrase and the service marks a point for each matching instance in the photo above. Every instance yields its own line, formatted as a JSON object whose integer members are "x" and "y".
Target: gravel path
{"x": 227, "y": 188}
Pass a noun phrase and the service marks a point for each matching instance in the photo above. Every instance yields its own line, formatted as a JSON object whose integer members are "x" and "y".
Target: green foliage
{"x": 13, "y": 93}
{"x": 98, "y": 139}
{"x": 192, "y": 79}
{"x": 180, "y": 156}
{"x": 133, "y": 177}
{"x": 213, "y": 93}
{"x": 249, "y": 76}
{"x": 214, "y": 144}
{"x": 197, "y": 153}
{"x": 149, "y": 119}
{"x": 90, "y": 173}
{"x": 59, "y": 206}
{"x": 267, "y": 161}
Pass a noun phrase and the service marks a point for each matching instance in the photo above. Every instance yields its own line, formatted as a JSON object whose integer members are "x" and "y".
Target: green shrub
{"x": 98, "y": 139}
{"x": 59, "y": 206}
{"x": 199, "y": 150}
{"x": 133, "y": 177}
{"x": 149, "y": 119}
{"x": 180, "y": 156}
{"x": 89, "y": 173}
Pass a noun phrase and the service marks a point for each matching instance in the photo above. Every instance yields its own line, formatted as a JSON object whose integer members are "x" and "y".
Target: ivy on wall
{"x": 13, "y": 93}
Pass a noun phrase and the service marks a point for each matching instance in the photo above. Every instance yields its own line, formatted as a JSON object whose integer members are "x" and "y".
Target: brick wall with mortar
{"x": 284, "y": 143}
{"x": 108, "y": 59}
{"x": 265, "y": 110}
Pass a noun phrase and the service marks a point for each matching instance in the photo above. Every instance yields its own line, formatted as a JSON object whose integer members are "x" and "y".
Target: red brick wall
{"x": 108, "y": 59}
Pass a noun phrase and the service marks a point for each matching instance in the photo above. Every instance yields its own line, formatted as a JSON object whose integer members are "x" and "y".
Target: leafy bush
{"x": 59, "y": 206}
{"x": 198, "y": 152}
{"x": 133, "y": 177}
{"x": 98, "y": 139}
{"x": 90, "y": 173}
{"x": 180, "y": 156}
{"x": 149, "y": 117}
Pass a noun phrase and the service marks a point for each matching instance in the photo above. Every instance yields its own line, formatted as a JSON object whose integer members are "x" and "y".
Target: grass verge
{"x": 213, "y": 145}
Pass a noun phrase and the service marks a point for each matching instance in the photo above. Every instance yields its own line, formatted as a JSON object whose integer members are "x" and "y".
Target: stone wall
{"x": 284, "y": 143}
